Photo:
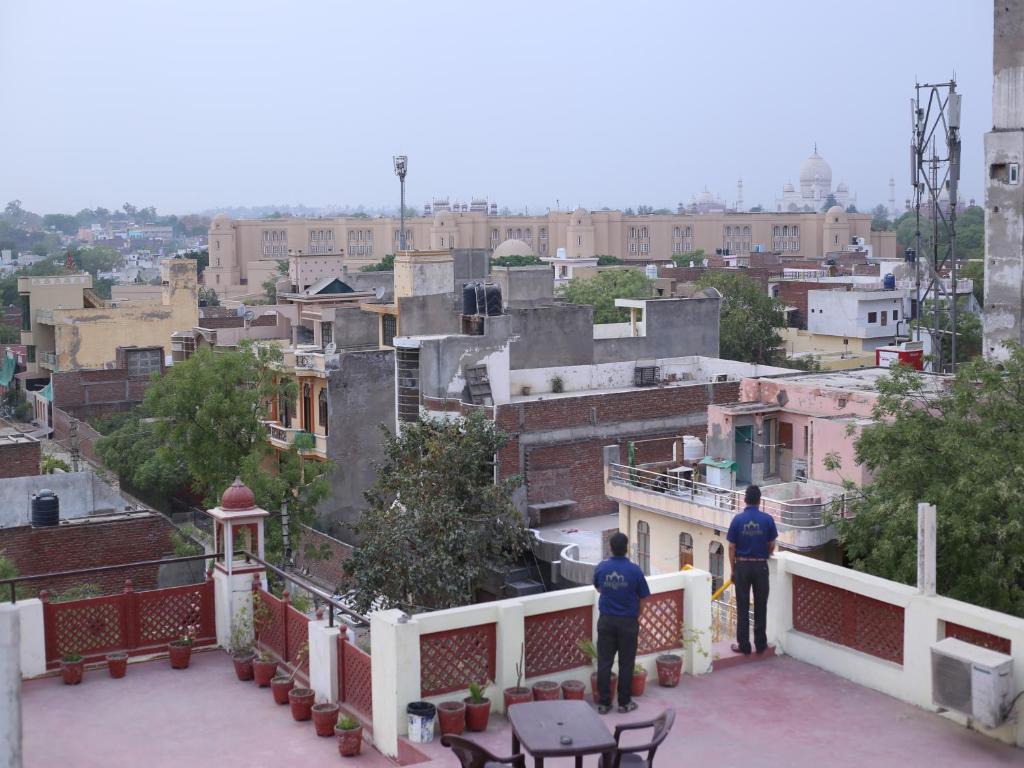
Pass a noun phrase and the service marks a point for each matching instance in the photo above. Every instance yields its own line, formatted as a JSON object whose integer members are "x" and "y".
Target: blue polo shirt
{"x": 622, "y": 585}
{"x": 751, "y": 531}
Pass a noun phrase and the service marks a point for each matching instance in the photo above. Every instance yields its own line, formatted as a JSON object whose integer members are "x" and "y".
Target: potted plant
{"x": 557, "y": 384}
{"x": 573, "y": 690}
{"x": 478, "y": 707}
{"x": 301, "y": 701}
{"x": 520, "y": 694}
{"x": 180, "y": 650}
{"x": 639, "y": 682}
{"x": 72, "y": 667}
{"x": 282, "y": 685}
{"x": 350, "y": 736}
{"x": 325, "y": 715}
{"x": 264, "y": 668}
{"x": 240, "y": 645}
{"x": 117, "y": 664}
{"x": 586, "y": 646}
{"x": 670, "y": 668}
{"x": 546, "y": 690}
{"x": 452, "y": 715}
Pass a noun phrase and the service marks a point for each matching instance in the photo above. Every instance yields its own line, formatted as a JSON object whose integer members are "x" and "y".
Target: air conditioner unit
{"x": 972, "y": 680}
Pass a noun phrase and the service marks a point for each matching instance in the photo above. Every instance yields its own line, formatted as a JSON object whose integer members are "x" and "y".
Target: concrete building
{"x": 1004, "y": 188}
{"x": 67, "y": 327}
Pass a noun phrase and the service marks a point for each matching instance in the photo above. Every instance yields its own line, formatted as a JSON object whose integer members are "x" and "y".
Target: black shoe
{"x": 628, "y": 707}
{"x": 604, "y": 709}
{"x": 736, "y": 649}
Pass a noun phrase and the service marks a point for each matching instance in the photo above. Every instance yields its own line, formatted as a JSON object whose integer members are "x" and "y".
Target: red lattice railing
{"x": 451, "y": 660}
{"x": 661, "y": 622}
{"x": 134, "y": 622}
{"x": 977, "y": 637}
{"x": 355, "y": 677}
{"x": 298, "y": 638}
{"x": 551, "y": 640}
{"x": 847, "y": 618}
{"x": 281, "y": 629}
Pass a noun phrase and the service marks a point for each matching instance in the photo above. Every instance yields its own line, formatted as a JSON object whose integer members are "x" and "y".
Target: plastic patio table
{"x": 559, "y": 729}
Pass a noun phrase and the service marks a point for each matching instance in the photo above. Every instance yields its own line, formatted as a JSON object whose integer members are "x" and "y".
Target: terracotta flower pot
{"x": 477, "y": 714}
{"x": 520, "y": 695}
{"x": 180, "y": 653}
{"x": 639, "y": 683}
{"x": 263, "y": 672}
{"x": 573, "y": 690}
{"x": 301, "y": 701}
{"x": 243, "y": 665}
{"x": 545, "y": 690}
{"x": 452, "y": 715}
{"x": 613, "y": 686}
{"x": 670, "y": 668}
{"x": 72, "y": 671}
{"x": 117, "y": 664}
{"x": 324, "y": 718}
{"x": 349, "y": 741}
{"x": 280, "y": 686}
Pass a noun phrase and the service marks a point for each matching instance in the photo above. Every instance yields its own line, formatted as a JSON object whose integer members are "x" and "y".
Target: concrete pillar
{"x": 323, "y": 660}
{"x": 780, "y": 602}
{"x": 510, "y": 643}
{"x": 33, "y": 639}
{"x": 10, "y": 686}
{"x": 926, "y": 549}
{"x": 232, "y": 595}
{"x": 395, "y": 664}
{"x": 697, "y": 620}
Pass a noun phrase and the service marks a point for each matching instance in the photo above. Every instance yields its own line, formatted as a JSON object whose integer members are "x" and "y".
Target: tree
{"x": 9, "y": 335}
{"x": 756, "y": 209}
{"x": 880, "y": 219}
{"x": 829, "y": 202}
{"x": 851, "y": 208}
{"x": 208, "y": 297}
{"x": 960, "y": 453}
{"x": 436, "y": 520}
{"x": 684, "y": 259}
{"x": 975, "y": 270}
{"x": 515, "y": 261}
{"x": 970, "y": 233}
{"x": 748, "y": 320}
{"x": 202, "y": 258}
{"x": 97, "y": 258}
{"x": 601, "y": 291}
{"x": 62, "y": 222}
{"x": 387, "y": 264}
{"x": 604, "y": 260}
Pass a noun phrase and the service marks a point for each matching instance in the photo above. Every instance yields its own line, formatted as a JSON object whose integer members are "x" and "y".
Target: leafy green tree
{"x": 97, "y": 258}
{"x": 208, "y": 297}
{"x": 437, "y": 521}
{"x": 515, "y": 261}
{"x": 604, "y": 260}
{"x": 387, "y": 264}
{"x": 959, "y": 453}
{"x": 975, "y": 270}
{"x": 749, "y": 318}
{"x": 851, "y": 208}
{"x": 202, "y": 258}
{"x": 970, "y": 233}
{"x": 62, "y": 222}
{"x": 601, "y": 291}
{"x": 684, "y": 259}
{"x": 756, "y": 209}
{"x": 880, "y": 219}
{"x": 829, "y": 202}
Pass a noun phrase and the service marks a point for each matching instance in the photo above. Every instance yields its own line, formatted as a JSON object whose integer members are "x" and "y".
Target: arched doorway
{"x": 685, "y": 550}
{"x": 307, "y": 407}
{"x": 716, "y": 564}
{"x": 322, "y": 407}
{"x": 643, "y": 546}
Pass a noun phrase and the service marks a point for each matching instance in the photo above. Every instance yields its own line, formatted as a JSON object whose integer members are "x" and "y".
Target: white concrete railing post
{"x": 395, "y": 666}
{"x": 10, "y": 686}
{"x": 323, "y": 660}
{"x": 231, "y": 595}
{"x": 697, "y": 620}
{"x": 510, "y": 640}
{"x": 780, "y": 602}
{"x": 33, "y": 637}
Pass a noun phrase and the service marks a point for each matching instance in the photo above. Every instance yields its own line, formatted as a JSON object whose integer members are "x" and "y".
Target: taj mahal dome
{"x": 815, "y": 187}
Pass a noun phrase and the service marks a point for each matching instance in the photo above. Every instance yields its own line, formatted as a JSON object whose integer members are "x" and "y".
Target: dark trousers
{"x": 616, "y": 635}
{"x": 749, "y": 574}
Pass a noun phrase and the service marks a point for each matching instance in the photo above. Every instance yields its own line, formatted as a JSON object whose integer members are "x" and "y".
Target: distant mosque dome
{"x": 512, "y": 248}
{"x": 836, "y": 213}
{"x": 815, "y": 169}
{"x": 788, "y": 187}
{"x": 842, "y": 188}
{"x": 220, "y": 221}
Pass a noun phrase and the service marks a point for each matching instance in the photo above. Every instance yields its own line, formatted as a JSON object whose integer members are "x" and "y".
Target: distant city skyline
{"x": 234, "y": 104}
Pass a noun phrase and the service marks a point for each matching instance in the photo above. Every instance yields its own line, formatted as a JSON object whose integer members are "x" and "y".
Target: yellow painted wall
{"x": 665, "y": 539}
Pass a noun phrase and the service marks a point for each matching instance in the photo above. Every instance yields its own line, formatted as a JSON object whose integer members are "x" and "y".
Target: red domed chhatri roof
{"x": 238, "y": 497}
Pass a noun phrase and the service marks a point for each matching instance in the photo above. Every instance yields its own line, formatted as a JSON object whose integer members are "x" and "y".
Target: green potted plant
{"x": 520, "y": 694}
{"x": 72, "y": 666}
{"x": 264, "y": 667}
{"x": 639, "y": 681}
{"x": 240, "y": 645}
{"x": 350, "y": 736}
{"x": 586, "y": 646}
{"x": 557, "y": 384}
{"x": 180, "y": 650}
{"x": 452, "y": 717}
{"x": 670, "y": 665}
{"x": 282, "y": 685}
{"x": 478, "y": 707}
{"x": 325, "y": 715}
{"x": 117, "y": 664}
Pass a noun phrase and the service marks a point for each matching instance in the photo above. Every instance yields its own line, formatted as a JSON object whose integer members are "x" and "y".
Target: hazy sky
{"x": 191, "y": 105}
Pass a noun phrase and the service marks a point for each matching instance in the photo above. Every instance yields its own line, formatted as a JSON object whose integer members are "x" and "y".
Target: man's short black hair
{"x": 619, "y": 543}
{"x": 753, "y": 495}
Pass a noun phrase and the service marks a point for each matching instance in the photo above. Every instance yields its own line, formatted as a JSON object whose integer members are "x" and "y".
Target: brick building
{"x": 19, "y": 456}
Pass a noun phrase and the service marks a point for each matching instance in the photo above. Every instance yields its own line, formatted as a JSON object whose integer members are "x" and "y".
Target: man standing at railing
{"x": 752, "y": 536}
{"x": 622, "y": 586}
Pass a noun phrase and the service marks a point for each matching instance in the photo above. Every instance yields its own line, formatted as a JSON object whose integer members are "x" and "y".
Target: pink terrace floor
{"x": 777, "y": 712}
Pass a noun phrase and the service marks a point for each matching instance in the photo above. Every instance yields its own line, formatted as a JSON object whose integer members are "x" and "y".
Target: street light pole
{"x": 401, "y": 167}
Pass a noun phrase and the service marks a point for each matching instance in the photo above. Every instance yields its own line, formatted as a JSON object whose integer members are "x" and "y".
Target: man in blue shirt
{"x": 622, "y": 586}
{"x": 752, "y": 536}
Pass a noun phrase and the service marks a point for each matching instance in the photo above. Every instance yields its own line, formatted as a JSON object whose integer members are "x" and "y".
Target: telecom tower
{"x": 935, "y": 175}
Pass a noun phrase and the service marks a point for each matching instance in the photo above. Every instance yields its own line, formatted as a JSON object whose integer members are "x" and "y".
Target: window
{"x": 785, "y": 231}
{"x": 579, "y": 240}
{"x": 307, "y": 407}
{"x": 885, "y": 318}
{"x": 322, "y": 408}
{"x": 786, "y": 436}
{"x": 872, "y": 317}
{"x": 835, "y": 239}
{"x": 685, "y": 550}
{"x": 777, "y": 231}
{"x": 643, "y": 546}
{"x": 326, "y": 333}
{"x": 895, "y": 315}
{"x": 770, "y": 434}
{"x": 389, "y": 327}
{"x": 716, "y": 565}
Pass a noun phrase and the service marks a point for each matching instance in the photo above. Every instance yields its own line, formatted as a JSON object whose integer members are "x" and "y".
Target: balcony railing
{"x": 48, "y": 360}
{"x": 285, "y": 437}
{"x": 44, "y": 316}
{"x": 794, "y": 515}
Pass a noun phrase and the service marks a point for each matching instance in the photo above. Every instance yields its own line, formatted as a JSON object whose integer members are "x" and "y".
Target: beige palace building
{"x": 244, "y": 253}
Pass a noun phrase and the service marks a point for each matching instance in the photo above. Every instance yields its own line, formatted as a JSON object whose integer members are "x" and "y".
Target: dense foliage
{"x": 959, "y": 449}
{"x": 601, "y": 291}
{"x": 748, "y": 321}
{"x": 436, "y": 520}
{"x": 516, "y": 260}
{"x": 387, "y": 264}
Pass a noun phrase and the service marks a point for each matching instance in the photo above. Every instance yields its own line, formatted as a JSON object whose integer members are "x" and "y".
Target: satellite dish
{"x": 379, "y": 292}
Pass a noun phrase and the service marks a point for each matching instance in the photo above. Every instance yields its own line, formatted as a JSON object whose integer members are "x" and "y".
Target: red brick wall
{"x": 87, "y": 436}
{"x": 71, "y": 546}
{"x": 19, "y": 459}
{"x": 73, "y": 389}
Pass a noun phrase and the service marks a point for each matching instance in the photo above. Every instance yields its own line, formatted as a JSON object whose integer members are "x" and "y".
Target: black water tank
{"x": 45, "y": 508}
{"x": 493, "y": 300}
{"x": 469, "y": 299}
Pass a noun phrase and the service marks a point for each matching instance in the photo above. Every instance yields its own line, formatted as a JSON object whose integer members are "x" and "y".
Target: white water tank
{"x": 693, "y": 449}
{"x": 651, "y": 270}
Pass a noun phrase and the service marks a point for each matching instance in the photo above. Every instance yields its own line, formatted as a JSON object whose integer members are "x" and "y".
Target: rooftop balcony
{"x": 309, "y": 443}
{"x": 47, "y": 360}
{"x": 801, "y": 510}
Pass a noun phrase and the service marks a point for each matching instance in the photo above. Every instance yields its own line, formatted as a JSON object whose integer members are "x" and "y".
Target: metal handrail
{"x": 310, "y": 587}
{"x": 13, "y": 581}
